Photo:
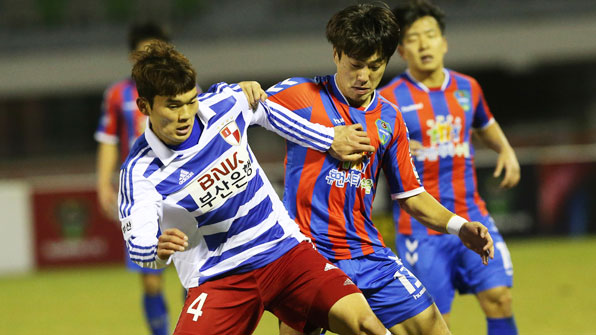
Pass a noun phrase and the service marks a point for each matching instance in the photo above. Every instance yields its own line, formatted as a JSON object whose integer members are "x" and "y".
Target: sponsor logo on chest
{"x": 227, "y": 177}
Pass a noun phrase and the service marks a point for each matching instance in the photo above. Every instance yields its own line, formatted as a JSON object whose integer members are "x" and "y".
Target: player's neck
{"x": 429, "y": 79}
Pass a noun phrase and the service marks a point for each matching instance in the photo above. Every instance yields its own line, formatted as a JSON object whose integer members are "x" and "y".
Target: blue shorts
{"x": 444, "y": 264}
{"x": 393, "y": 293}
{"x": 134, "y": 267}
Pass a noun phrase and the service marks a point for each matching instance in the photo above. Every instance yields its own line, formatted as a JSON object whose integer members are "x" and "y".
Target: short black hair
{"x": 162, "y": 70}
{"x": 408, "y": 14}
{"x": 361, "y": 30}
{"x": 139, "y": 32}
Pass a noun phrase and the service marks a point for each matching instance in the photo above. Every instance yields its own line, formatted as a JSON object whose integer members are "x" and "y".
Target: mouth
{"x": 361, "y": 90}
{"x": 182, "y": 130}
{"x": 426, "y": 59}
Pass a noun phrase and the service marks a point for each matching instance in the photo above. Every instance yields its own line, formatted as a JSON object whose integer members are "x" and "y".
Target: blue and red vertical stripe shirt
{"x": 440, "y": 122}
{"x": 330, "y": 200}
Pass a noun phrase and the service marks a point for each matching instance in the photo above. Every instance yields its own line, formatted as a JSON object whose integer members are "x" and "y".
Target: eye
{"x": 411, "y": 39}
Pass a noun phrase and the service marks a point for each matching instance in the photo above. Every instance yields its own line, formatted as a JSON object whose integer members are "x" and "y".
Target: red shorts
{"x": 299, "y": 288}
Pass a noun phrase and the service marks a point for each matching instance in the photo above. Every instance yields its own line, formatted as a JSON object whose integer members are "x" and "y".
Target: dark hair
{"x": 406, "y": 15}
{"x": 359, "y": 31}
{"x": 161, "y": 70}
{"x": 144, "y": 31}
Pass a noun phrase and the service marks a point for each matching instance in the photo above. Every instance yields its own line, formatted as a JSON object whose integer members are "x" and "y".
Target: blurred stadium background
{"x": 60, "y": 270}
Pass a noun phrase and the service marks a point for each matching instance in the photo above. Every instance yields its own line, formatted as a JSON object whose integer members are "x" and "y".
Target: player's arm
{"x": 107, "y": 152}
{"x": 494, "y": 138}
{"x": 432, "y": 214}
{"x": 107, "y": 159}
{"x": 139, "y": 210}
{"x": 345, "y": 143}
{"x": 406, "y": 189}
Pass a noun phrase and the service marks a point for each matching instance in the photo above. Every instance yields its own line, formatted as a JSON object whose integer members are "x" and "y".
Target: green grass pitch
{"x": 553, "y": 294}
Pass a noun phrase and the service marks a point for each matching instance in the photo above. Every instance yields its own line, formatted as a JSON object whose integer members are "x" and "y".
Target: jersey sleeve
{"x": 139, "y": 207}
{"x": 482, "y": 115}
{"x": 398, "y": 166}
{"x": 292, "y": 127}
{"x": 107, "y": 129}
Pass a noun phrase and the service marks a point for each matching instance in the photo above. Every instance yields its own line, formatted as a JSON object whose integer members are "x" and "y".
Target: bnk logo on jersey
{"x": 226, "y": 177}
{"x": 230, "y": 133}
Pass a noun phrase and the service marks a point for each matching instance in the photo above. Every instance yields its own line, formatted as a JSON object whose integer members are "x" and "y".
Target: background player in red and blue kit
{"x": 442, "y": 109}
{"x": 332, "y": 201}
{"x": 120, "y": 124}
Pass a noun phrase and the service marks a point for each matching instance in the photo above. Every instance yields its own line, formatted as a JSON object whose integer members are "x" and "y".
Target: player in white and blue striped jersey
{"x": 192, "y": 193}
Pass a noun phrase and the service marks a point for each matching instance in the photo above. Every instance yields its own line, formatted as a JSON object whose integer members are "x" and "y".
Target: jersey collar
{"x": 426, "y": 89}
{"x": 205, "y": 113}
{"x": 342, "y": 98}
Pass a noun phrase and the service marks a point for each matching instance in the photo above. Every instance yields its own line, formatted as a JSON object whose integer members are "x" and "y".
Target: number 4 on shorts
{"x": 196, "y": 306}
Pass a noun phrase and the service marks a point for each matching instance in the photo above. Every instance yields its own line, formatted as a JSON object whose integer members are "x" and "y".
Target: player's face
{"x": 172, "y": 118}
{"x": 357, "y": 79}
{"x": 424, "y": 46}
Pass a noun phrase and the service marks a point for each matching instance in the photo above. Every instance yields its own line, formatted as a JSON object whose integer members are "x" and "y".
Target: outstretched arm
{"x": 493, "y": 137}
{"x": 432, "y": 214}
{"x": 345, "y": 143}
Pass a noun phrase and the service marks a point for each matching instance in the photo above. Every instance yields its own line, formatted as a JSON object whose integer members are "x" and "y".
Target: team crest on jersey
{"x": 231, "y": 133}
{"x": 384, "y": 130}
{"x": 463, "y": 98}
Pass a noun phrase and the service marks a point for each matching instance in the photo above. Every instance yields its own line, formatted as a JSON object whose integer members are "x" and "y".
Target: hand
{"x": 475, "y": 236}
{"x": 350, "y": 143}
{"x": 170, "y": 241}
{"x": 108, "y": 201}
{"x": 508, "y": 161}
{"x": 254, "y": 93}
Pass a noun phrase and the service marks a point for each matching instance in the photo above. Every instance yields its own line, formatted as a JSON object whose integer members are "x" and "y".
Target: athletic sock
{"x": 156, "y": 314}
{"x": 504, "y": 326}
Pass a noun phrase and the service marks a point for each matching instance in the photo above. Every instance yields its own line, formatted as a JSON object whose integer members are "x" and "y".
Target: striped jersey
{"x": 120, "y": 122}
{"x": 441, "y": 120}
{"x": 212, "y": 188}
{"x": 331, "y": 200}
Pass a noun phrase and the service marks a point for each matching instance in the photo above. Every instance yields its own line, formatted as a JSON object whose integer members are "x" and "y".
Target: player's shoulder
{"x": 458, "y": 76}
{"x": 120, "y": 86}
{"x": 395, "y": 83}
{"x": 294, "y": 84}
{"x": 139, "y": 153}
{"x": 387, "y": 106}
{"x": 221, "y": 88}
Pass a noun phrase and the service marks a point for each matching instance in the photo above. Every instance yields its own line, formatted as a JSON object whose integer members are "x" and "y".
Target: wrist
{"x": 454, "y": 224}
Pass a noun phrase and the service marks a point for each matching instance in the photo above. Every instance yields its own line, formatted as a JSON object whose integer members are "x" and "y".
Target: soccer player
{"x": 192, "y": 193}
{"x": 332, "y": 200}
{"x": 120, "y": 124}
{"x": 442, "y": 109}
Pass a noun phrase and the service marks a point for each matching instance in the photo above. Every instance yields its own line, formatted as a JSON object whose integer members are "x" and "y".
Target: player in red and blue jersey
{"x": 121, "y": 123}
{"x": 442, "y": 109}
{"x": 331, "y": 201}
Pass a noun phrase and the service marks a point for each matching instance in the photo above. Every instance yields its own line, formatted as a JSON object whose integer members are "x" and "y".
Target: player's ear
{"x": 336, "y": 56}
{"x": 143, "y": 105}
